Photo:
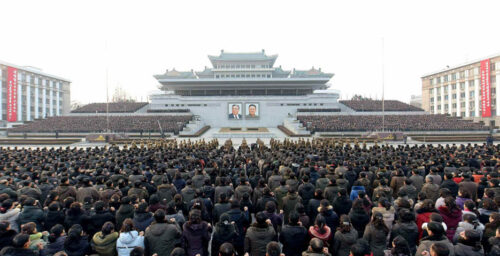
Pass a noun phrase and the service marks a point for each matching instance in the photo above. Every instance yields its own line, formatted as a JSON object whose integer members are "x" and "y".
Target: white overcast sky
{"x": 137, "y": 39}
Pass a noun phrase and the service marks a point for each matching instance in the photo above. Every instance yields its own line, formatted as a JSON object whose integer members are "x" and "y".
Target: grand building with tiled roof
{"x": 241, "y": 80}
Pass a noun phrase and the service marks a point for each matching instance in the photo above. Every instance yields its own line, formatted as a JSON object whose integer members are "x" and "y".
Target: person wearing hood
{"x": 57, "y": 238}
{"x": 452, "y": 215}
{"x": 142, "y": 217}
{"x": 9, "y": 212}
{"x": 20, "y": 247}
{"x": 406, "y": 228}
{"x": 470, "y": 223}
{"x": 345, "y": 237}
{"x": 331, "y": 217}
{"x": 129, "y": 238}
{"x": 469, "y": 244}
{"x": 259, "y": 235}
{"x": 161, "y": 237}
{"x": 293, "y": 236}
{"x": 196, "y": 234}
{"x": 104, "y": 242}
{"x": 436, "y": 235}
{"x": 225, "y": 232}
{"x": 6, "y": 234}
{"x": 125, "y": 211}
{"x": 76, "y": 244}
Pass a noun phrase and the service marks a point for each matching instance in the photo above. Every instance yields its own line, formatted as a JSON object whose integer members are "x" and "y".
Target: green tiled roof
{"x": 310, "y": 73}
{"x": 243, "y": 56}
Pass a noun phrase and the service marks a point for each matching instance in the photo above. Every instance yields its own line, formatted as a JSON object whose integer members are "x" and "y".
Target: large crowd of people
{"x": 333, "y": 123}
{"x": 368, "y": 105}
{"x": 312, "y": 198}
{"x": 85, "y": 124}
{"x": 113, "y": 107}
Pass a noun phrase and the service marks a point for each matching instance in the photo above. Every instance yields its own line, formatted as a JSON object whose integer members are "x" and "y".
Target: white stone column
{"x": 458, "y": 99}
{"x": 450, "y": 99}
{"x": 442, "y": 99}
{"x": 28, "y": 98}
{"x": 435, "y": 100}
{"x": 37, "y": 84}
{"x": 58, "y": 103}
{"x": 51, "y": 98}
{"x": 44, "y": 98}
{"x": 467, "y": 96}
{"x": 476, "y": 97}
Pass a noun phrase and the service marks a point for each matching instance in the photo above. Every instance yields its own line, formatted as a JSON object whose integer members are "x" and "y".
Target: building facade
{"x": 28, "y": 94}
{"x": 467, "y": 90}
{"x": 244, "y": 90}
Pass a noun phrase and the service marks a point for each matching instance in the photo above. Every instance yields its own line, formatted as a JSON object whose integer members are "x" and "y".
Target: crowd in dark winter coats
{"x": 308, "y": 198}
{"x": 334, "y": 123}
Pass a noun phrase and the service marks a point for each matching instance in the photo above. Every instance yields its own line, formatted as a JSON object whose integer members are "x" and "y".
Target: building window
{"x": 462, "y": 104}
{"x": 472, "y": 113}
{"x": 454, "y": 86}
{"x": 471, "y": 82}
{"x": 454, "y": 105}
{"x": 493, "y": 90}
{"x": 439, "y": 98}
{"x": 462, "y": 74}
{"x": 493, "y": 79}
{"x": 432, "y": 99}
{"x": 446, "y": 97}
{"x": 471, "y": 94}
{"x": 438, "y": 80}
{"x": 454, "y": 96}
{"x": 453, "y": 77}
{"x": 492, "y": 66}
{"x": 462, "y": 86}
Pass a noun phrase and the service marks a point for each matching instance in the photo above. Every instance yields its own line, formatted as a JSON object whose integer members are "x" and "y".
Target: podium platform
{"x": 244, "y": 132}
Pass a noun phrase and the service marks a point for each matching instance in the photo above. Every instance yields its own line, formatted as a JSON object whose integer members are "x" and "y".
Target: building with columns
{"x": 28, "y": 94}
{"x": 467, "y": 90}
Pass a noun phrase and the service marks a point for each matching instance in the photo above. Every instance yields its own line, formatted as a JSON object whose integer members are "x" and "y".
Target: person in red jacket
{"x": 452, "y": 215}
{"x": 424, "y": 215}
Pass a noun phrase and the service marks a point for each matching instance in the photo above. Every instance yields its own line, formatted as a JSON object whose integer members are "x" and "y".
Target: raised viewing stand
{"x": 244, "y": 132}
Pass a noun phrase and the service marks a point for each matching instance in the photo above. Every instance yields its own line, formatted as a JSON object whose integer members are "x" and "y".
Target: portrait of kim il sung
{"x": 234, "y": 111}
{"x": 252, "y": 110}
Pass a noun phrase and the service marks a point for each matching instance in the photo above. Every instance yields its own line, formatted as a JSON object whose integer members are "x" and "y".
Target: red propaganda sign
{"x": 485, "y": 88}
{"x": 11, "y": 94}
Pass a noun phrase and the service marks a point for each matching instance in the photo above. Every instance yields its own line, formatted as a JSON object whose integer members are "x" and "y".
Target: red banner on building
{"x": 485, "y": 88}
{"x": 11, "y": 94}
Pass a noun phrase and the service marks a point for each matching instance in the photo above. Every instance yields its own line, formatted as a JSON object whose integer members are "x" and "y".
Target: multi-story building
{"x": 28, "y": 94}
{"x": 244, "y": 90}
{"x": 467, "y": 90}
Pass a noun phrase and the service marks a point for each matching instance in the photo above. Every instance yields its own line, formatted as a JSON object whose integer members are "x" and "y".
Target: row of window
{"x": 460, "y": 75}
{"x": 242, "y": 66}
{"x": 243, "y": 75}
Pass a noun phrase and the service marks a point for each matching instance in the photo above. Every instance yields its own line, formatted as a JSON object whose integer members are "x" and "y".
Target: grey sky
{"x": 137, "y": 39}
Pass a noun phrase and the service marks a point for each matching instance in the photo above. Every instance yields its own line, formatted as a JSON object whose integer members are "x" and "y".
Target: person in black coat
{"x": 242, "y": 221}
{"x": 358, "y": 216}
{"x": 76, "y": 215}
{"x": 20, "y": 244}
{"x": 31, "y": 213}
{"x": 100, "y": 217}
{"x": 406, "y": 228}
{"x": 342, "y": 204}
{"x": 225, "y": 232}
{"x": 76, "y": 244}
{"x": 6, "y": 234}
{"x": 450, "y": 184}
{"x": 53, "y": 216}
{"x": 294, "y": 237}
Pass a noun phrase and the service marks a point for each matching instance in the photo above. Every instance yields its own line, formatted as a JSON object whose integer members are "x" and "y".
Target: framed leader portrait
{"x": 234, "y": 111}
{"x": 252, "y": 110}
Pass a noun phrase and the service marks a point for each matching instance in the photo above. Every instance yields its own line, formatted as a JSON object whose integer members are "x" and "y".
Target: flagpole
{"x": 383, "y": 88}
